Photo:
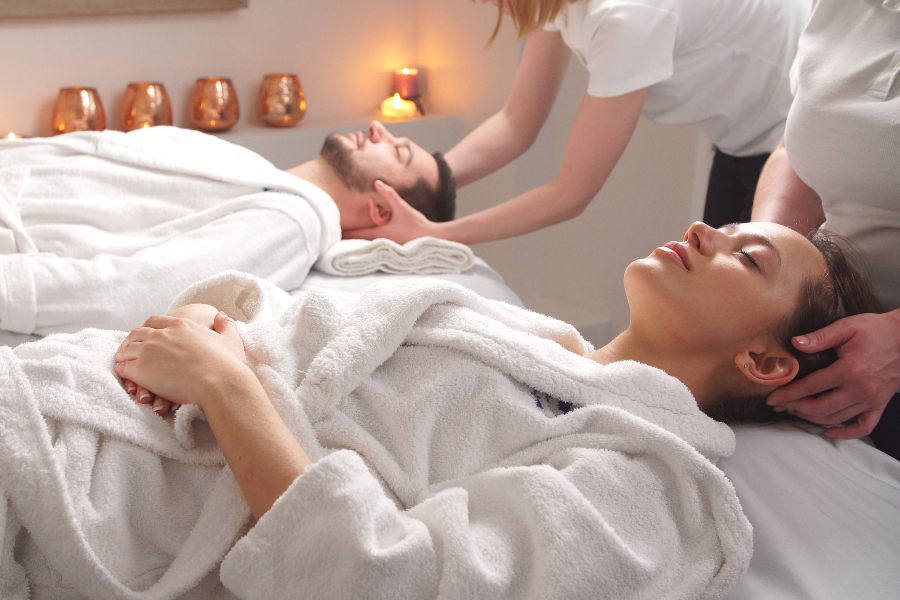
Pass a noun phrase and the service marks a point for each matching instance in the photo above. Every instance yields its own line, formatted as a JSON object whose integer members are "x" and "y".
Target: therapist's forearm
{"x": 782, "y": 197}
{"x": 512, "y": 130}
{"x": 599, "y": 135}
{"x": 261, "y": 451}
{"x": 537, "y": 208}
{"x": 494, "y": 144}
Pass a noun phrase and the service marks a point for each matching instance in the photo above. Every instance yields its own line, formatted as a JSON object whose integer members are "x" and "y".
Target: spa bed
{"x": 826, "y": 515}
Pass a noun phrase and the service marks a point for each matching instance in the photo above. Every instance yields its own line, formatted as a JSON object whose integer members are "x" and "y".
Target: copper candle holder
{"x": 145, "y": 104}
{"x": 214, "y": 104}
{"x": 282, "y": 101}
{"x": 78, "y": 109}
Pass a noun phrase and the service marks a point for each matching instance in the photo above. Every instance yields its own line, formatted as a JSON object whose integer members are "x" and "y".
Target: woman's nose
{"x": 701, "y": 237}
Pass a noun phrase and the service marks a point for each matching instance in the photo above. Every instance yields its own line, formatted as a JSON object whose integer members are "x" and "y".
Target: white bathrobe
{"x": 435, "y": 475}
{"x": 101, "y": 229}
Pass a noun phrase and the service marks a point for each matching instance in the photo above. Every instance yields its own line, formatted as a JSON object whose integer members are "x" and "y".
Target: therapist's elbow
{"x": 573, "y": 203}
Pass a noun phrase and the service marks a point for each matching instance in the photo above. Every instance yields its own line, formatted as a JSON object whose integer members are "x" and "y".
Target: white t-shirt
{"x": 843, "y": 132}
{"x": 721, "y": 64}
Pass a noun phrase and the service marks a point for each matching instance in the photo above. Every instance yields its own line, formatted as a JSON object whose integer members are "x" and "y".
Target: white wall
{"x": 344, "y": 51}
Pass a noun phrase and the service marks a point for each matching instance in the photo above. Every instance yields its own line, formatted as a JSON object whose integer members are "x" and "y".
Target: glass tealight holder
{"x": 282, "y": 101}
{"x": 145, "y": 104}
{"x": 214, "y": 104}
{"x": 78, "y": 109}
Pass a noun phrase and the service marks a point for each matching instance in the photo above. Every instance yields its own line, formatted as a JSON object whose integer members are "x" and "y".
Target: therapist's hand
{"x": 406, "y": 222}
{"x": 856, "y": 388}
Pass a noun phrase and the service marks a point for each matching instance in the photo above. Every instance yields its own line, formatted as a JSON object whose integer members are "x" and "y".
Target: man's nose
{"x": 378, "y": 132}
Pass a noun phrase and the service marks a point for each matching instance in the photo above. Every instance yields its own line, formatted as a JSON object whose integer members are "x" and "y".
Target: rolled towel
{"x": 425, "y": 255}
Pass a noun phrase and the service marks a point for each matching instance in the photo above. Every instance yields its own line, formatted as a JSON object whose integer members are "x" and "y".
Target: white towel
{"x": 423, "y": 256}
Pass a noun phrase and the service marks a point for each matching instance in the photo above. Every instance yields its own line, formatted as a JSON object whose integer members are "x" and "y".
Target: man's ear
{"x": 380, "y": 210}
{"x": 771, "y": 367}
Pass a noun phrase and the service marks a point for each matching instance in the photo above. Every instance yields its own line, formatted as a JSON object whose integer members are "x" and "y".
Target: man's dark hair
{"x": 440, "y": 204}
{"x": 843, "y": 290}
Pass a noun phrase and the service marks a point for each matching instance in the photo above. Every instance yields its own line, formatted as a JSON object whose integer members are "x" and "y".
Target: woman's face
{"x": 721, "y": 288}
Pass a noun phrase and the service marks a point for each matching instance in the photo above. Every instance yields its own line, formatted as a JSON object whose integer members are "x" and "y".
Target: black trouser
{"x": 732, "y": 184}
{"x": 886, "y": 436}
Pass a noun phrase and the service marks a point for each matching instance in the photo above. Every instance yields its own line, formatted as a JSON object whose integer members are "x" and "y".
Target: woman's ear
{"x": 768, "y": 367}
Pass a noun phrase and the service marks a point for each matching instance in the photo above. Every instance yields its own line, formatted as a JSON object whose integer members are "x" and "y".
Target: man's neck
{"x": 319, "y": 173}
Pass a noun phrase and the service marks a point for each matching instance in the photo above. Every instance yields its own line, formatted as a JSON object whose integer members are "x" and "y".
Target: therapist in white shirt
{"x": 839, "y": 169}
{"x": 720, "y": 64}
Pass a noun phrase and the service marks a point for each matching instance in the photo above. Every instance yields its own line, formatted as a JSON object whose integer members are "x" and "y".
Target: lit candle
{"x": 406, "y": 82}
{"x": 12, "y": 135}
{"x": 396, "y": 107}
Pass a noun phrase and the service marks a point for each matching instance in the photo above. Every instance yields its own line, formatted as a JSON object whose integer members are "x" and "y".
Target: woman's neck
{"x": 690, "y": 364}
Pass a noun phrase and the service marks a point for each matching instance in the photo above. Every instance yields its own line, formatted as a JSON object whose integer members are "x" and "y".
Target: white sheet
{"x": 825, "y": 515}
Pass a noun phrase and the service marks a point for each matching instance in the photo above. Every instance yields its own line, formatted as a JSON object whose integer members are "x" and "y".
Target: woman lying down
{"x": 415, "y": 442}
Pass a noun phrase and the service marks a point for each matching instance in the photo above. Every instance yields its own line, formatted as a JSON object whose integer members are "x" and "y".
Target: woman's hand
{"x": 858, "y": 386}
{"x": 183, "y": 361}
{"x": 406, "y": 222}
{"x": 203, "y": 314}
{"x": 186, "y": 362}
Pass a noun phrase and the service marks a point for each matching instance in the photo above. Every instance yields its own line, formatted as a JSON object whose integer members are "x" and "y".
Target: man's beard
{"x": 338, "y": 156}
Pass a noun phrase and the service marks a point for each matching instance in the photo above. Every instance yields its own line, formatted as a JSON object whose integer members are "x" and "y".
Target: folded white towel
{"x": 424, "y": 256}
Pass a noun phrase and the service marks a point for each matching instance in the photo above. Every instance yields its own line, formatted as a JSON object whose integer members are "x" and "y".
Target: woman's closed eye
{"x": 748, "y": 256}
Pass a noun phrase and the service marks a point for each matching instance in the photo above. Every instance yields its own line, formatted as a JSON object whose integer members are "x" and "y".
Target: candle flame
{"x": 12, "y": 135}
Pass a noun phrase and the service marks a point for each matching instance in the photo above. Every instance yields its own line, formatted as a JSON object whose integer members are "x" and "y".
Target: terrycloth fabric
{"x": 435, "y": 475}
{"x": 423, "y": 256}
{"x": 101, "y": 229}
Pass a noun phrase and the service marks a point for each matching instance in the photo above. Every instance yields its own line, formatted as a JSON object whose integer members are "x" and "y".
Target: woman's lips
{"x": 678, "y": 252}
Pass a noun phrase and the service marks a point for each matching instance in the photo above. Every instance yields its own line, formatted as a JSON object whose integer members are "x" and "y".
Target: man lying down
{"x": 100, "y": 229}
{"x": 417, "y": 442}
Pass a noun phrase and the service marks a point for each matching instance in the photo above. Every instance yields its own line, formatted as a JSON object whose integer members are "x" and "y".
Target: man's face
{"x": 361, "y": 157}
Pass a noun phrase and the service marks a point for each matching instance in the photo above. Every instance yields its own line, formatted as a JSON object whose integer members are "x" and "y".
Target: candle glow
{"x": 396, "y": 107}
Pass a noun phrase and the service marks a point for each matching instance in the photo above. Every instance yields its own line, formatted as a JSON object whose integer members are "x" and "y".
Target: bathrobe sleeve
{"x": 588, "y": 524}
{"x": 45, "y": 293}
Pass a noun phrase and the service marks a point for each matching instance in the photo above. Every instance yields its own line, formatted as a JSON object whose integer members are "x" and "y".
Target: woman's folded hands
{"x": 187, "y": 356}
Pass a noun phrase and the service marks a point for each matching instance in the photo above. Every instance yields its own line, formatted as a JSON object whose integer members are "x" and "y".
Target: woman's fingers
{"x": 225, "y": 325}
{"x": 143, "y": 396}
{"x": 161, "y": 321}
{"x": 161, "y": 406}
